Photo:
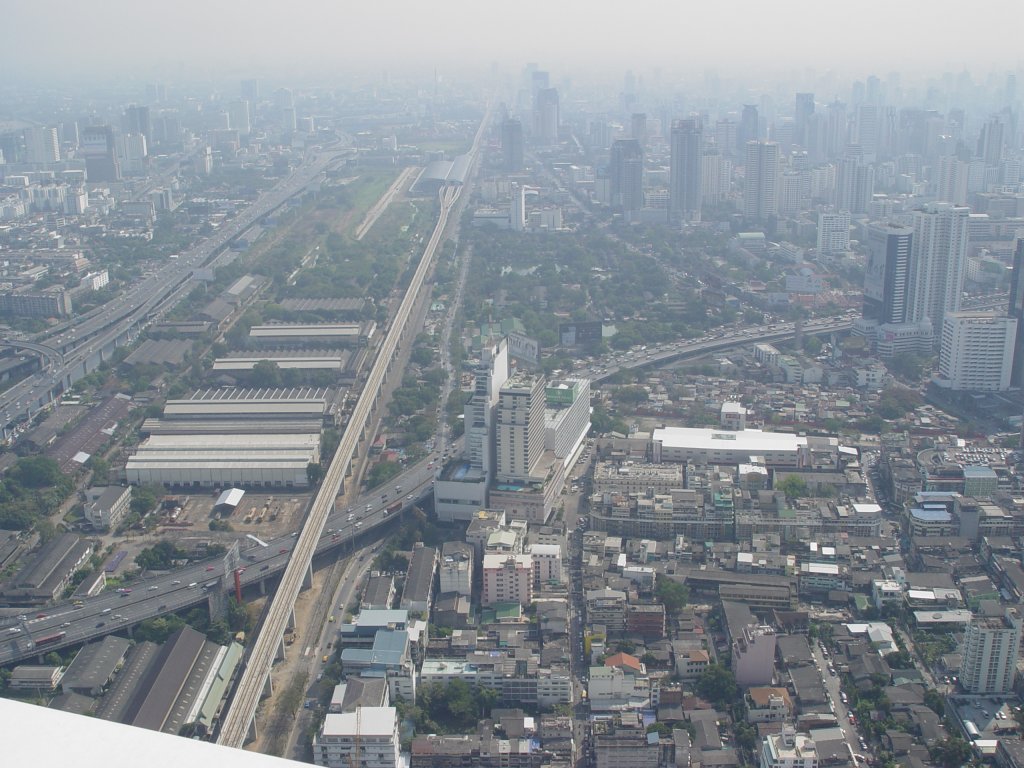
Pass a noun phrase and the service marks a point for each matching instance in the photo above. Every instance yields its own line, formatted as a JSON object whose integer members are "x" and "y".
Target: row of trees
{"x": 31, "y": 489}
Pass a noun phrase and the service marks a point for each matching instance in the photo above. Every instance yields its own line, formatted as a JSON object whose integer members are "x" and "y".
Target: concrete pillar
{"x": 263, "y": 586}
{"x": 251, "y": 735}
{"x": 307, "y": 579}
{"x": 291, "y": 618}
{"x": 280, "y": 656}
{"x": 268, "y": 687}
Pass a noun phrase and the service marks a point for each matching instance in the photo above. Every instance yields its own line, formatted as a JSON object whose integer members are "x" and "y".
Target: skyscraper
{"x": 887, "y": 273}
{"x": 1017, "y": 312}
{"x": 833, "y": 232}
{"x": 855, "y": 182}
{"x": 802, "y": 118}
{"x": 137, "y": 120}
{"x": 685, "y": 171}
{"x": 519, "y": 427}
{"x": 760, "y": 187}
{"x": 250, "y": 90}
{"x": 491, "y": 373}
{"x": 638, "y": 127}
{"x": 749, "y": 128}
{"x": 545, "y": 117}
{"x": 989, "y": 653}
{"x": 937, "y": 263}
{"x": 512, "y": 145}
{"x": 97, "y": 147}
{"x": 990, "y": 144}
{"x": 626, "y": 174}
{"x": 41, "y": 145}
{"x": 240, "y": 117}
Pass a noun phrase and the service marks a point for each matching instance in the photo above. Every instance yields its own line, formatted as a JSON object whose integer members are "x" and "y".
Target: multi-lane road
{"x": 69, "y": 351}
{"x": 174, "y": 591}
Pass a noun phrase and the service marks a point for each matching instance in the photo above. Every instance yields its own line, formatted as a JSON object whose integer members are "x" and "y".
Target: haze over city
{"x": 67, "y": 41}
{"x": 532, "y": 385}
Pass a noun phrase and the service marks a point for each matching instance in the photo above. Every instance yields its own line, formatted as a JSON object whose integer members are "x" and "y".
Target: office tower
{"x": 725, "y": 137}
{"x": 685, "y": 170}
{"x": 98, "y": 149}
{"x": 802, "y": 117}
{"x": 791, "y": 185}
{"x": 250, "y": 90}
{"x": 867, "y": 131}
{"x": 1016, "y": 311}
{"x": 519, "y": 428}
{"x": 518, "y": 212}
{"x": 951, "y": 181}
{"x": 490, "y": 375}
{"x": 131, "y": 152}
{"x": 285, "y": 103}
{"x": 512, "y": 145}
{"x": 887, "y": 273}
{"x": 990, "y": 143}
{"x": 716, "y": 177}
{"x": 539, "y": 81}
{"x": 239, "y": 116}
{"x": 760, "y": 187}
{"x": 836, "y": 130}
{"x": 938, "y": 258}
{"x": 41, "y": 145}
{"x": 855, "y": 182}
{"x": 638, "y": 128}
{"x": 989, "y": 653}
{"x": 599, "y": 135}
{"x": 749, "y": 128}
{"x": 137, "y": 120}
{"x": 833, "y": 232}
{"x": 204, "y": 161}
{"x": 545, "y": 116}
{"x": 626, "y": 174}
{"x": 976, "y": 351}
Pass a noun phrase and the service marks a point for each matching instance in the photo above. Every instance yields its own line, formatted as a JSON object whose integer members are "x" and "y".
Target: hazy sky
{"x": 70, "y": 39}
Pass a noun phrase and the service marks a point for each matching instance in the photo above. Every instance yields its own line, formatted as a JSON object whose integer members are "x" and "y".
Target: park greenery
{"x": 31, "y": 490}
{"x": 453, "y": 708}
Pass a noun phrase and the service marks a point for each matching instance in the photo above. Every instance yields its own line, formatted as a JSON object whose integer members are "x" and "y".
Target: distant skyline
{"x": 69, "y": 41}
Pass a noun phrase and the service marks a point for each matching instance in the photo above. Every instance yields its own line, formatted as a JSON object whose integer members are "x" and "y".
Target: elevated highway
{"x": 238, "y": 721}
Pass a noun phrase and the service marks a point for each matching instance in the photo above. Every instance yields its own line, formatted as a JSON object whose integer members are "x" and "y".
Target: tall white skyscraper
{"x": 519, "y": 428}
{"x": 937, "y": 262}
{"x": 41, "y": 145}
{"x": 518, "y": 212}
{"x": 951, "y": 180}
{"x": 976, "y": 353}
{"x": 490, "y": 375}
{"x": 240, "y": 116}
{"x": 989, "y": 653}
{"x": 761, "y": 185}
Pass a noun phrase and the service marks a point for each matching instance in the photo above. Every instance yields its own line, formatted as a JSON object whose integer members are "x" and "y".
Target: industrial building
{"x": 312, "y": 335}
{"x": 714, "y": 446}
{"x": 262, "y": 438}
{"x": 50, "y": 571}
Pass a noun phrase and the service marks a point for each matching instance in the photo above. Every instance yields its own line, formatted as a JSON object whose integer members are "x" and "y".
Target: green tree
{"x": 935, "y": 701}
{"x": 718, "y": 686}
{"x": 951, "y": 752}
{"x": 266, "y": 373}
{"x": 671, "y": 594}
{"x": 38, "y": 472}
{"x": 794, "y": 487}
{"x": 145, "y": 498}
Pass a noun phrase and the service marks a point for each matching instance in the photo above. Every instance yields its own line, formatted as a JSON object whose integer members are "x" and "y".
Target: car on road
{"x": 282, "y": 550}
{"x": 14, "y": 630}
{"x": 154, "y": 588}
{"x": 209, "y": 568}
{"x": 101, "y": 624}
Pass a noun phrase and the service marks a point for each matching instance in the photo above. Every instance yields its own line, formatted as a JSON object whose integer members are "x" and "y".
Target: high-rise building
{"x": 802, "y": 118}
{"x": 951, "y": 183}
{"x": 1017, "y": 312}
{"x": 546, "y": 117}
{"x": 976, "y": 353}
{"x": 716, "y": 176}
{"x": 41, "y": 145}
{"x": 867, "y": 129}
{"x": 725, "y": 137}
{"x": 518, "y": 212}
{"x": 989, "y": 653}
{"x": 990, "y": 144}
{"x": 519, "y": 428}
{"x": 490, "y": 375}
{"x": 240, "y": 117}
{"x": 685, "y": 171}
{"x": 250, "y": 90}
{"x": 749, "y": 128}
{"x": 761, "y": 185}
{"x": 512, "y": 145}
{"x": 833, "y": 232}
{"x": 837, "y": 131}
{"x": 137, "y": 120}
{"x": 638, "y": 127}
{"x": 98, "y": 149}
{"x": 855, "y": 182}
{"x": 626, "y": 174}
{"x": 937, "y": 263}
{"x": 367, "y": 737}
{"x": 887, "y": 273}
